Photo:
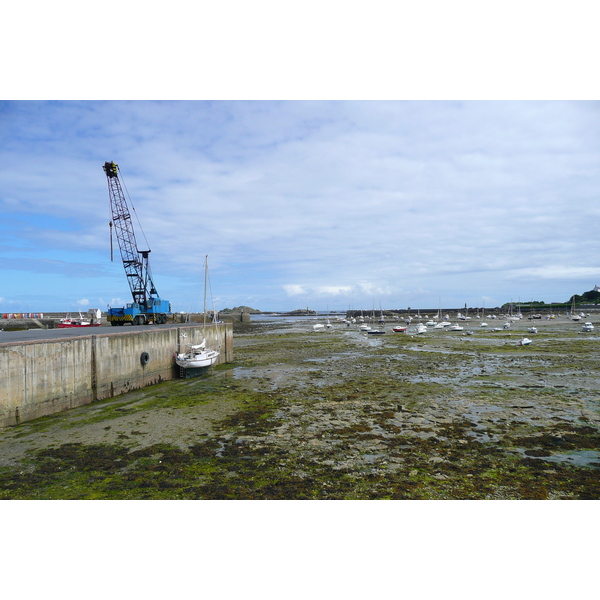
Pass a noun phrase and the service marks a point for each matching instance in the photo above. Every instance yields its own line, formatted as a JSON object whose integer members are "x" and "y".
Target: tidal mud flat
{"x": 337, "y": 414}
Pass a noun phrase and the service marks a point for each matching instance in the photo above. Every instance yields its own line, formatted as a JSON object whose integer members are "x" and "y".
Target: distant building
{"x": 597, "y": 288}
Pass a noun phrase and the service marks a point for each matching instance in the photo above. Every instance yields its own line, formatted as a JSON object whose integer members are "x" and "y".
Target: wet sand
{"x": 339, "y": 414}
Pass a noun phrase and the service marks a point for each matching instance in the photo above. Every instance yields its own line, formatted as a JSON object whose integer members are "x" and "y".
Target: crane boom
{"x": 146, "y": 303}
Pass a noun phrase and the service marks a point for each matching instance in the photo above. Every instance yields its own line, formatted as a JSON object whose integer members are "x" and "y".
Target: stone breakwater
{"x": 338, "y": 414}
{"x": 49, "y": 374}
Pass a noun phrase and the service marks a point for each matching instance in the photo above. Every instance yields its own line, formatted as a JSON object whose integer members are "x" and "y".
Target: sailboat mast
{"x": 205, "y": 272}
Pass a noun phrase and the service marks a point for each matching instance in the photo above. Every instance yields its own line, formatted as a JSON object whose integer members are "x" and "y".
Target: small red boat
{"x": 399, "y": 329}
{"x": 80, "y": 322}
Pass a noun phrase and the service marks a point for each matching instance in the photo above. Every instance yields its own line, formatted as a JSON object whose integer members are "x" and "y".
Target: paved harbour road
{"x": 32, "y": 335}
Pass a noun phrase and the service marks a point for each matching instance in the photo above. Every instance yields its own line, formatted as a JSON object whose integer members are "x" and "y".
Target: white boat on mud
{"x": 524, "y": 342}
{"x": 574, "y": 317}
{"x": 198, "y": 356}
{"x": 587, "y": 327}
{"x": 456, "y": 328}
{"x": 420, "y": 328}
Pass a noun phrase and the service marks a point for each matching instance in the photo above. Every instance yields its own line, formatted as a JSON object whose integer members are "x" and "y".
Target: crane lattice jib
{"x": 135, "y": 261}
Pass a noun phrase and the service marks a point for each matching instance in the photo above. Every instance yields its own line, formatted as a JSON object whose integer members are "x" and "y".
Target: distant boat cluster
{"x": 373, "y": 324}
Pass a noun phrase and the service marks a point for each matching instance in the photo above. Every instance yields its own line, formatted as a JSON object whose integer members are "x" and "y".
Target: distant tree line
{"x": 591, "y": 297}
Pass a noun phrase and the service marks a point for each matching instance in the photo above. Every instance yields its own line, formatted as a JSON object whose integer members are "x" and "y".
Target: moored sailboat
{"x": 199, "y": 356}
{"x": 574, "y": 317}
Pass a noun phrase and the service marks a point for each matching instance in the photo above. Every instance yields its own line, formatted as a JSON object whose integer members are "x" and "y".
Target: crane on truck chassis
{"x": 146, "y": 307}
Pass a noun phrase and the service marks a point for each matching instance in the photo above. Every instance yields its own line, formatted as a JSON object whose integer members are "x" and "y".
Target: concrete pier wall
{"x": 47, "y": 376}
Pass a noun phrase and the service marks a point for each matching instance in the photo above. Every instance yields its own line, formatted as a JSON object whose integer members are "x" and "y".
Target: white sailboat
{"x": 420, "y": 329}
{"x": 318, "y": 326}
{"x": 198, "y": 356}
{"x": 574, "y": 317}
{"x": 381, "y": 317}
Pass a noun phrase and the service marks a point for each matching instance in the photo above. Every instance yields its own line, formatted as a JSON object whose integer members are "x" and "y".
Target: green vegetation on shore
{"x": 335, "y": 415}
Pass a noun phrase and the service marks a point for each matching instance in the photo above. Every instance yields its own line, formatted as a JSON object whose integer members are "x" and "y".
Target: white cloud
{"x": 294, "y": 290}
{"x": 373, "y": 289}
{"x": 331, "y": 290}
{"x": 558, "y": 272}
{"x": 399, "y": 201}
{"x": 83, "y": 302}
{"x": 118, "y": 302}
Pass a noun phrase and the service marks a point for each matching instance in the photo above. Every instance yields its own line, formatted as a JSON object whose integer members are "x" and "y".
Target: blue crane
{"x": 147, "y": 307}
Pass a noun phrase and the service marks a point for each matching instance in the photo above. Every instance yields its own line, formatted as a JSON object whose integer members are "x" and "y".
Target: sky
{"x": 331, "y": 204}
{"x": 408, "y": 155}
